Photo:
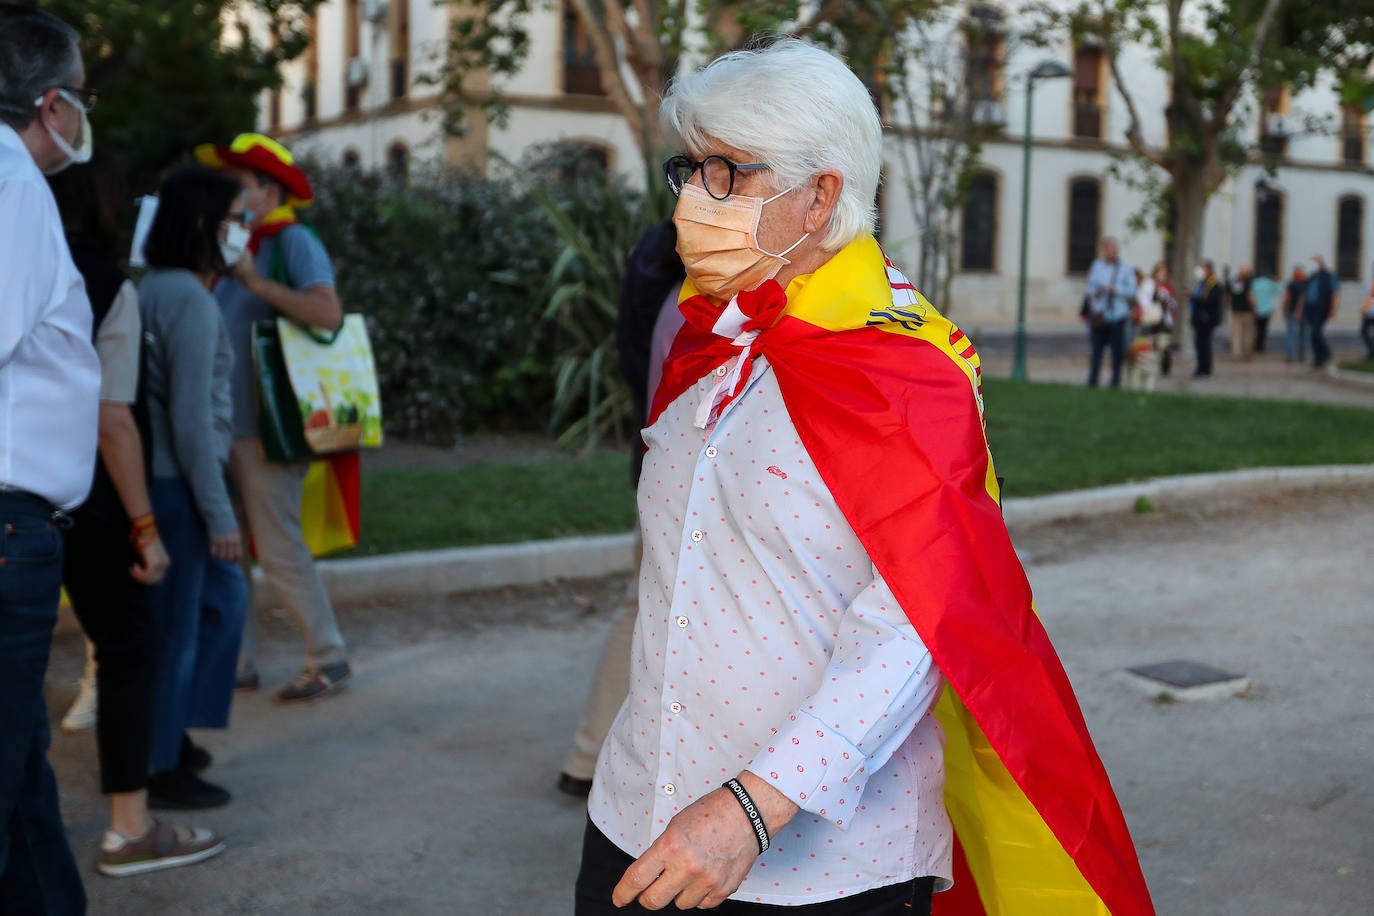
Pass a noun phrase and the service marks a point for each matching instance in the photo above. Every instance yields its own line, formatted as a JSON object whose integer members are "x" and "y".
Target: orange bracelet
{"x": 143, "y": 530}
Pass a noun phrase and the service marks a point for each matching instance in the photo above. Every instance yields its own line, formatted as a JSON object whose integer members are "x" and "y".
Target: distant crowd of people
{"x": 1132, "y": 316}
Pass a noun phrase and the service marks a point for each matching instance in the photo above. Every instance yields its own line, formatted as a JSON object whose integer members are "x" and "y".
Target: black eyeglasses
{"x": 88, "y": 96}
{"x": 717, "y": 173}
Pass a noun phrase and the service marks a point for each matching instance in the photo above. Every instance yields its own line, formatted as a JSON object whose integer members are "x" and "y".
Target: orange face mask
{"x": 718, "y": 242}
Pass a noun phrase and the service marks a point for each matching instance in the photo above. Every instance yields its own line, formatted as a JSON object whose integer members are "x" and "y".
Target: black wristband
{"x": 747, "y": 803}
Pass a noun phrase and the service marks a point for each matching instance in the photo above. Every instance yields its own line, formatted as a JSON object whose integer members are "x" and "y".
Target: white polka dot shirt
{"x": 767, "y": 641}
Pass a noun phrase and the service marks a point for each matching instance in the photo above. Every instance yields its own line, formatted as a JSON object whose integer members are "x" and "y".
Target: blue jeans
{"x": 37, "y": 872}
{"x": 198, "y": 613}
{"x": 1321, "y": 350}
{"x": 1296, "y": 349}
{"x": 1113, "y": 335}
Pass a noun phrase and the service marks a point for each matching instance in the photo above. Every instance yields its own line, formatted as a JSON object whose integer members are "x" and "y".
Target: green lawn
{"x": 1045, "y": 439}
{"x": 1359, "y": 365}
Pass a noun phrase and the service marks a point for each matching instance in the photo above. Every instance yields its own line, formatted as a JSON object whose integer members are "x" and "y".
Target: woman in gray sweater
{"x": 198, "y": 610}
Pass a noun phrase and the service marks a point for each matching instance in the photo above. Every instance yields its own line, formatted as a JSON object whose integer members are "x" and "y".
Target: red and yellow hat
{"x": 261, "y": 154}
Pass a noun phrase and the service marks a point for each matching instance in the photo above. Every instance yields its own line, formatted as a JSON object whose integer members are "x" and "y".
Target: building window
{"x": 274, "y": 109}
{"x": 1353, "y": 133}
{"x": 1349, "y": 237}
{"x": 1274, "y": 125}
{"x": 1085, "y": 222}
{"x": 985, "y": 34}
{"x": 581, "y": 75}
{"x": 398, "y": 162}
{"x": 1268, "y": 232}
{"x": 351, "y": 159}
{"x": 354, "y": 72}
{"x": 978, "y": 229}
{"x": 1089, "y": 64}
{"x": 400, "y": 48}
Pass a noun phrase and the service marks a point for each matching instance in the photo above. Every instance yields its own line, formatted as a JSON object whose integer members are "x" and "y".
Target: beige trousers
{"x": 269, "y": 506}
{"x": 609, "y": 686}
{"x": 1242, "y": 334}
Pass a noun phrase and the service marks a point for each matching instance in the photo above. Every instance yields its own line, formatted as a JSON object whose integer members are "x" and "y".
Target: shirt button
{"x": 712, "y": 451}
{"x": 721, "y": 370}
{"x": 698, "y": 534}
{"x": 669, "y": 789}
{"x": 682, "y": 621}
{"x": 675, "y": 707}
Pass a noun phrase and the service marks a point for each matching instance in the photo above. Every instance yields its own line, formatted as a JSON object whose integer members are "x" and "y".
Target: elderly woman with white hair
{"x": 823, "y": 552}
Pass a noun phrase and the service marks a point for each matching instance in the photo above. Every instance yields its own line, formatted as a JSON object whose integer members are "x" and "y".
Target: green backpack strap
{"x": 276, "y": 272}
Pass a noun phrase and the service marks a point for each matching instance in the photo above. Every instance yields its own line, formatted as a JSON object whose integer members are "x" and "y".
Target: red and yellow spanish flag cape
{"x": 887, "y": 398}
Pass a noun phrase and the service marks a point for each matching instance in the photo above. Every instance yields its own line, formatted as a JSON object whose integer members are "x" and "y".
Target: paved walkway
{"x": 428, "y": 787}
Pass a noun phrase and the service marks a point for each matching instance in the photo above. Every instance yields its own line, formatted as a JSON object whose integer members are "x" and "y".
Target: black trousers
{"x": 604, "y": 864}
{"x": 1261, "y": 332}
{"x": 1202, "y": 342}
{"x": 115, "y": 612}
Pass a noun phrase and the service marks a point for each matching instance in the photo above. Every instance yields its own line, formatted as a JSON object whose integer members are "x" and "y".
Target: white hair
{"x": 797, "y": 108}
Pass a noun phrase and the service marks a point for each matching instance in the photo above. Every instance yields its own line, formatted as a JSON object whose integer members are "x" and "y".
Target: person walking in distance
{"x": 49, "y": 414}
{"x": 269, "y": 492}
{"x": 1205, "y": 309}
{"x": 1320, "y": 300}
{"x": 1110, "y": 295}
{"x": 1295, "y": 329}
{"x": 1367, "y": 321}
{"x": 1242, "y": 301}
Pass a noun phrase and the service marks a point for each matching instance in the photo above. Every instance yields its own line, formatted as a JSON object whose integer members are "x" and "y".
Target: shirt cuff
{"x": 814, "y": 766}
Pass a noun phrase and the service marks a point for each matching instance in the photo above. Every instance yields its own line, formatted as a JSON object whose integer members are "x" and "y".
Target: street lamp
{"x": 1045, "y": 70}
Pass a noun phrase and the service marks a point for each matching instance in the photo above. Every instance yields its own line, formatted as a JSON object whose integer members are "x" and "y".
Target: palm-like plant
{"x": 598, "y": 219}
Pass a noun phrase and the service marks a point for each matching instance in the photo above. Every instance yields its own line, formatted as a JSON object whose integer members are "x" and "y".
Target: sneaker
{"x": 194, "y": 758}
{"x": 163, "y": 846}
{"x": 572, "y": 785}
{"x": 81, "y": 715}
{"x": 179, "y": 790}
{"x": 311, "y": 684}
{"x": 247, "y": 680}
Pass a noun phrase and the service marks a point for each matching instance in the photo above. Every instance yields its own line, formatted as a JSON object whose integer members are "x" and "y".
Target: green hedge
{"x": 448, "y": 271}
{"x": 490, "y": 301}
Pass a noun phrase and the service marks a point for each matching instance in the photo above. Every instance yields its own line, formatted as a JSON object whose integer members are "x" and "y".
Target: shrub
{"x": 449, "y": 272}
{"x": 596, "y": 221}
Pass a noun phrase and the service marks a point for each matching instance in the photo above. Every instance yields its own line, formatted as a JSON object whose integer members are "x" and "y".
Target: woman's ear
{"x": 825, "y": 194}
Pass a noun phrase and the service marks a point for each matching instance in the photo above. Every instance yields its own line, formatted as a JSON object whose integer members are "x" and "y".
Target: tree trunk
{"x": 1190, "y": 202}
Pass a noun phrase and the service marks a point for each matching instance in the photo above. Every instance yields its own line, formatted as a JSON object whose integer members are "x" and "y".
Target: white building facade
{"x": 359, "y": 96}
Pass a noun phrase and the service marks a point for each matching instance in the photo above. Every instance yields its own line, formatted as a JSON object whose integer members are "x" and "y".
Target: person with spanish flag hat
{"x": 841, "y": 698}
{"x": 287, "y": 272}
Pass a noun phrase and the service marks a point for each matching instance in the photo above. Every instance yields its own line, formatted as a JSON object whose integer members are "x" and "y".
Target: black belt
{"x": 24, "y": 498}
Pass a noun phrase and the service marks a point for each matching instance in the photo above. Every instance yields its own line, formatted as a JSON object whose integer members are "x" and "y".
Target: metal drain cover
{"x": 1186, "y": 679}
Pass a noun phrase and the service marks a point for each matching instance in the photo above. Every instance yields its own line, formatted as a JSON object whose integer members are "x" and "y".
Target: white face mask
{"x": 79, "y": 155}
{"x": 234, "y": 245}
{"x": 1199, "y": 274}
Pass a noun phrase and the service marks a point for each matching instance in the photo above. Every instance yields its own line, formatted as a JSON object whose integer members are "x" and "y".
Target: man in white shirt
{"x": 49, "y": 402}
{"x": 823, "y": 551}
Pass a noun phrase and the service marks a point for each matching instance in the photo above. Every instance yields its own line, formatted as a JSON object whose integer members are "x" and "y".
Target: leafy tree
{"x": 170, "y": 77}
{"x": 637, "y": 45}
{"x": 1218, "y": 57}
